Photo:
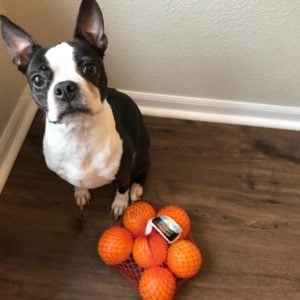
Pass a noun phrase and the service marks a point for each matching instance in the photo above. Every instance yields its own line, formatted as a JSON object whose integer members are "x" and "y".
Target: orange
{"x": 136, "y": 217}
{"x": 115, "y": 245}
{"x": 179, "y": 216}
{"x": 149, "y": 251}
{"x": 157, "y": 283}
{"x": 184, "y": 259}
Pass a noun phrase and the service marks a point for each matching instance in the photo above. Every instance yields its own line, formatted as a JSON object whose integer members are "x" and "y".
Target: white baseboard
{"x": 14, "y": 135}
{"x": 218, "y": 111}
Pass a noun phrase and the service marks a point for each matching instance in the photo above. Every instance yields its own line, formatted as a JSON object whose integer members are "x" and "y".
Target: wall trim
{"x": 218, "y": 110}
{"x": 14, "y": 134}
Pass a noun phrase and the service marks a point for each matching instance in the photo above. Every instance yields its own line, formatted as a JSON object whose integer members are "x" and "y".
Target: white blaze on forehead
{"x": 62, "y": 63}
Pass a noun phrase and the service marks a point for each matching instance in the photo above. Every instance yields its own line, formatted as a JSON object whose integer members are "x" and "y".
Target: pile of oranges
{"x": 158, "y": 264}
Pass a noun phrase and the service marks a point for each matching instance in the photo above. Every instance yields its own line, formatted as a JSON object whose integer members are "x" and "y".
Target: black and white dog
{"x": 94, "y": 134}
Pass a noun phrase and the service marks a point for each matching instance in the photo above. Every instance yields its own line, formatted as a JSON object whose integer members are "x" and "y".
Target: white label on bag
{"x": 166, "y": 227}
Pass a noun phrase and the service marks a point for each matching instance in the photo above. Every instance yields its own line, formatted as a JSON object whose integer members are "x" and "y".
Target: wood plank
{"x": 240, "y": 186}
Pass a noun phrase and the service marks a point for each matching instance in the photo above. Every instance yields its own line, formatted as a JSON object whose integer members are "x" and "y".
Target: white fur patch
{"x": 120, "y": 204}
{"x": 62, "y": 63}
{"x": 85, "y": 152}
{"x": 136, "y": 192}
{"x": 82, "y": 197}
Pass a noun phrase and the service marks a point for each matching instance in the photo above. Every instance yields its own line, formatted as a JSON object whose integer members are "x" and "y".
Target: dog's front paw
{"x": 136, "y": 192}
{"x": 82, "y": 197}
{"x": 120, "y": 204}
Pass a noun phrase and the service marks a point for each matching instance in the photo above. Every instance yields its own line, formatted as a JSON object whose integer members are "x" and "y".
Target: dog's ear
{"x": 90, "y": 25}
{"x": 20, "y": 44}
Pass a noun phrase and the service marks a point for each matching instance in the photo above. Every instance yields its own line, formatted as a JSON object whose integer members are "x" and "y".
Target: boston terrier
{"x": 94, "y": 135}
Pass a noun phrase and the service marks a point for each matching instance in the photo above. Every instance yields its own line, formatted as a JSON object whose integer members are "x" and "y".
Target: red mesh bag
{"x": 132, "y": 272}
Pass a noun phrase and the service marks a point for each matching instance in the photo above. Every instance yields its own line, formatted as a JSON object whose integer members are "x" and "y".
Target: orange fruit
{"x": 157, "y": 283}
{"x": 115, "y": 245}
{"x": 149, "y": 251}
{"x": 179, "y": 216}
{"x": 184, "y": 259}
{"x": 136, "y": 217}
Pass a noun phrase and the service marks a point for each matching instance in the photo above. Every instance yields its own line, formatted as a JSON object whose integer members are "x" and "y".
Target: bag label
{"x": 166, "y": 227}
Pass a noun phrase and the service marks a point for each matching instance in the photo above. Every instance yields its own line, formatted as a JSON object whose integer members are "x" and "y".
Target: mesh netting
{"x": 133, "y": 272}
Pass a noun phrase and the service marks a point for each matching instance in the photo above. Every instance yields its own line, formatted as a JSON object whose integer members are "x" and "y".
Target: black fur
{"x": 136, "y": 142}
{"x": 84, "y": 53}
{"x": 38, "y": 65}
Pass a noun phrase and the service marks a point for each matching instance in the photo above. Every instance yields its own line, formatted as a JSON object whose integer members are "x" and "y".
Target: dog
{"x": 94, "y": 134}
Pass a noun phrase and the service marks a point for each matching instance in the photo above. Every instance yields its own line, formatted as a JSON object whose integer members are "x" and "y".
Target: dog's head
{"x": 69, "y": 78}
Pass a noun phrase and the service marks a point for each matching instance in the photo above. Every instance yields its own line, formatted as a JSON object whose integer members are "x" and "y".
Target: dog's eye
{"x": 38, "y": 81}
{"x": 89, "y": 69}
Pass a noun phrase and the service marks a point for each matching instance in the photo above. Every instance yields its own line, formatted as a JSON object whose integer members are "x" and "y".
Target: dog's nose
{"x": 66, "y": 91}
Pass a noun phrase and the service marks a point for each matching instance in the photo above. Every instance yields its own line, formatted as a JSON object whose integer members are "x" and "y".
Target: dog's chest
{"x": 87, "y": 154}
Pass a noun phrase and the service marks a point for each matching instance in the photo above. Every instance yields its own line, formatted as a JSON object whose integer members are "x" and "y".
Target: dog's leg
{"x": 122, "y": 197}
{"x": 82, "y": 196}
{"x": 136, "y": 189}
{"x": 136, "y": 192}
{"x": 120, "y": 203}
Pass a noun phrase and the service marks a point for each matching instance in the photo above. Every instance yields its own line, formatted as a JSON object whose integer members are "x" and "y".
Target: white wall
{"x": 235, "y": 50}
{"x": 11, "y": 84}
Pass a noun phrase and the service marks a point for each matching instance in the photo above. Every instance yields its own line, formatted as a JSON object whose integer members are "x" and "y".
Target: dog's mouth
{"x": 72, "y": 112}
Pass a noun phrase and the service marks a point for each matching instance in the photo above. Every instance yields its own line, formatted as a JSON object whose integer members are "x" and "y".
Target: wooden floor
{"x": 240, "y": 186}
